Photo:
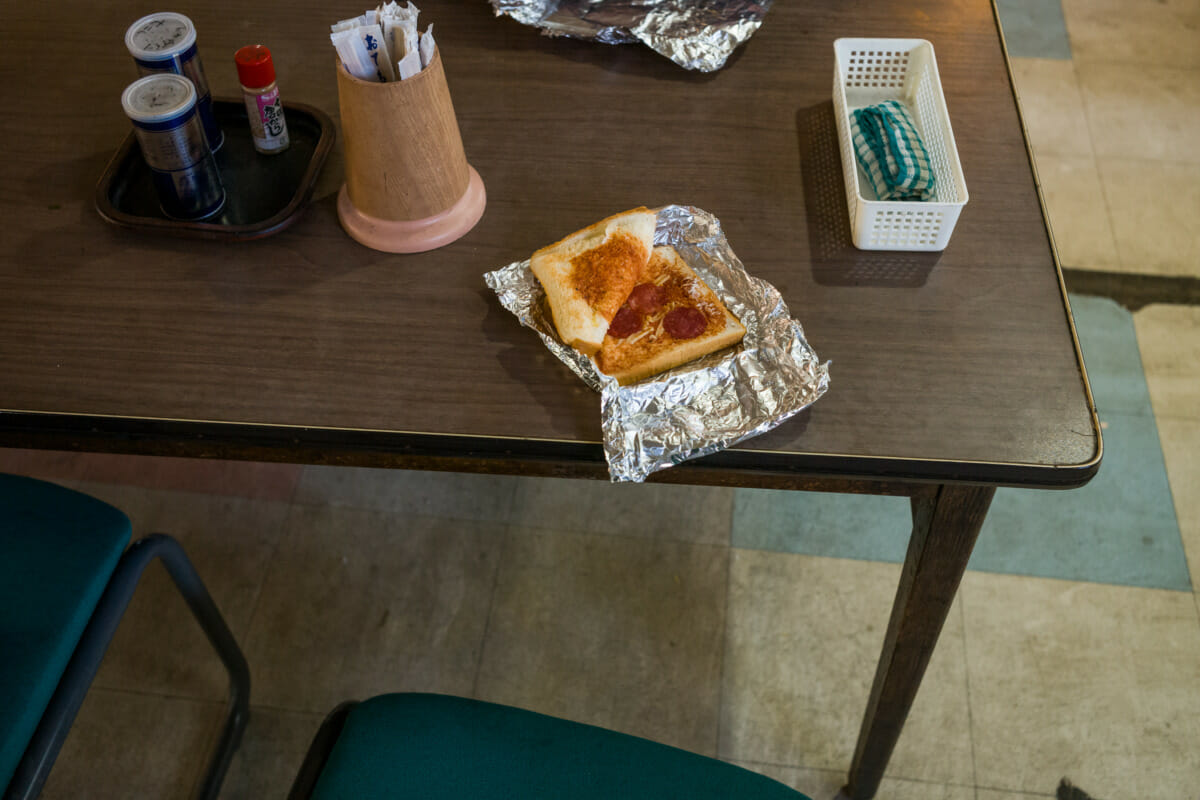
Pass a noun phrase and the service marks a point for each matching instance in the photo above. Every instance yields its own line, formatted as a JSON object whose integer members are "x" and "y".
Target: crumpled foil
{"x": 706, "y": 405}
{"x": 696, "y": 34}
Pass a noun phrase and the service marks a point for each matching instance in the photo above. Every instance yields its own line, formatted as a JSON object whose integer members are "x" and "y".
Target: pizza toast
{"x": 588, "y": 275}
{"x": 669, "y": 318}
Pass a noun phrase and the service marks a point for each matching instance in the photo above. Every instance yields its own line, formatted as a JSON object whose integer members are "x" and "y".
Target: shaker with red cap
{"x": 256, "y": 73}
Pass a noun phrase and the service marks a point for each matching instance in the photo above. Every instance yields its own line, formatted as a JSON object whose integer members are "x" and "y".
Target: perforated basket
{"x": 869, "y": 71}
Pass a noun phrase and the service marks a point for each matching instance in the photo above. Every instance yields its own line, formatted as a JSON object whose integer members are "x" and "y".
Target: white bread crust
{"x": 578, "y": 323}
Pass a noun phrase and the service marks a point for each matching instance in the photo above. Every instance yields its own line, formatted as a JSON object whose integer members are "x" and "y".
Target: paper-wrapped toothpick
{"x": 368, "y": 18}
{"x": 360, "y": 44}
{"x": 427, "y": 46}
{"x": 399, "y": 28}
{"x": 409, "y": 65}
{"x": 383, "y": 44}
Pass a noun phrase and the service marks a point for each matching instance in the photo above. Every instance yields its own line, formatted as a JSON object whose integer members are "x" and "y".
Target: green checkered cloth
{"x": 890, "y": 152}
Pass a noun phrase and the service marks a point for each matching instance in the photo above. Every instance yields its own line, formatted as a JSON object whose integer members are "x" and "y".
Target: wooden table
{"x": 952, "y": 373}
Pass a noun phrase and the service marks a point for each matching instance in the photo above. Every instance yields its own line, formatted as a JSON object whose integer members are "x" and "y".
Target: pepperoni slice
{"x": 626, "y": 323}
{"x": 646, "y": 298}
{"x": 685, "y": 322}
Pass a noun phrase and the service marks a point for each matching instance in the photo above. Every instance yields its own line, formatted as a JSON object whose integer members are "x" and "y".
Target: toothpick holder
{"x": 408, "y": 185}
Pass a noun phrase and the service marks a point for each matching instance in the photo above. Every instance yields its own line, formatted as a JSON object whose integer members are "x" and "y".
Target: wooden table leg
{"x": 945, "y": 526}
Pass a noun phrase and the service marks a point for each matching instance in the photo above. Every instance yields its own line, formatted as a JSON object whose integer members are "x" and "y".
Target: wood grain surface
{"x": 404, "y": 156}
{"x": 945, "y": 526}
{"x": 951, "y": 366}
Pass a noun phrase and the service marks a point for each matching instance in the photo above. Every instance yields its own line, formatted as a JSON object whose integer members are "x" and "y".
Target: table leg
{"x": 945, "y": 526}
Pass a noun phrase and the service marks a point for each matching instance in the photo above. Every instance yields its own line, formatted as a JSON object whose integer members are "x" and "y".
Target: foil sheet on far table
{"x": 696, "y": 34}
{"x": 709, "y": 404}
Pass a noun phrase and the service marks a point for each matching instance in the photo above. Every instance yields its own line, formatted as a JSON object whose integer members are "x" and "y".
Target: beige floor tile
{"x": 272, "y": 750}
{"x": 823, "y": 784}
{"x": 1181, "y": 452}
{"x": 803, "y": 637}
{"x": 1078, "y": 213}
{"x": 56, "y": 466}
{"x": 1169, "y": 340}
{"x": 159, "y": 647}
{"x": 818, "y": 784}
{"x": 439, "y": 494}
{"x": 252, "y": 479}
{"x": 1098, "y": 683}
{"x": 134, "y": 745}
{"x": 612, "y": 631}
{"x": 262, "y": 481}
{"x": 1155, "y": 212}
{"x": 357, "y": 603}
{"x": 1148, "y": 33}
{"x": 654, "y": 511}
{"x": 993, "y": 794}
{"x": 1148, "y": 112}
{"x": 1053, "y": 106}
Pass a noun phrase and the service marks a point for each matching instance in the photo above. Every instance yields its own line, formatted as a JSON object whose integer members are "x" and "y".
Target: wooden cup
{"x": 408, "y": 185}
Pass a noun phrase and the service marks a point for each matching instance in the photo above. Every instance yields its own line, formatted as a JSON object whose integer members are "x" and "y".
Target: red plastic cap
{"x": 254, "y": 66}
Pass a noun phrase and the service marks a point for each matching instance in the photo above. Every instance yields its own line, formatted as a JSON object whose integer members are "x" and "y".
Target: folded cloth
{"x": 891, "y": 153}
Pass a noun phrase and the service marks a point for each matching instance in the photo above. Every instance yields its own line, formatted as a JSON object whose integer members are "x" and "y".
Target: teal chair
{"x": 66, "y": 576}
{"x": 438, "y": 747}
{"x": 67, "y": 573}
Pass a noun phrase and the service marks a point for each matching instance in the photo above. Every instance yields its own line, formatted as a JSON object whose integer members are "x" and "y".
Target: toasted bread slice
{"x": 589, "y": 274}
{"x": 658, "y": 331}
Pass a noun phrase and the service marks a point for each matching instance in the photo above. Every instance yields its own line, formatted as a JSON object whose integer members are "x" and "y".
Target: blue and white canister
{"x": 163, "y": 110}
{"x": 166, "y": 42}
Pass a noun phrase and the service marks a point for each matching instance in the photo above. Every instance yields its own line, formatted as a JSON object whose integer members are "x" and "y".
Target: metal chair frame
{"x": 318, "y": 752}
{"x": 52, "y": 730}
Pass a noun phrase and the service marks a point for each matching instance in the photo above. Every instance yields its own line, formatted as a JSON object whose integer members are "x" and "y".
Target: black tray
{"x": 263, "y": 194}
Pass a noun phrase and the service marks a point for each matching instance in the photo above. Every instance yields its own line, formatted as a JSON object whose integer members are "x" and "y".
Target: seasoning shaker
{"x": 166, "y": 42}
{"x": 256, "y": 73}
{"x": 163, "y": 109}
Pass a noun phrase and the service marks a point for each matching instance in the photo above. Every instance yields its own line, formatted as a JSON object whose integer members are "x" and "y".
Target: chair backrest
{"x": 66, "y": 578}
{"x": 58, "y": 550}
{"x": 437, "y": 747}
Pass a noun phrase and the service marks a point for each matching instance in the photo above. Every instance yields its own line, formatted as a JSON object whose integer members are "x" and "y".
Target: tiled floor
{"x": 342, "y": 582}
{"x": 1121, "y": 528}
{"x": 706, "y": 633}
{"x": 1113, "y": 116}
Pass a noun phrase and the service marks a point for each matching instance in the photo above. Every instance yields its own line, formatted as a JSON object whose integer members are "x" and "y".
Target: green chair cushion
{"x": 58, "y": 549}
{"x": 437, "y": 747}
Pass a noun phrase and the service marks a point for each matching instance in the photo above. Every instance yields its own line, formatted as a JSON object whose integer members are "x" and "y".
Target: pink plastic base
{"x": 416, "y": 235}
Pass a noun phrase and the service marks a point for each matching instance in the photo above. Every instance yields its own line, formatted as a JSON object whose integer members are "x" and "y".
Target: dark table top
{"x": 307, "y": 346}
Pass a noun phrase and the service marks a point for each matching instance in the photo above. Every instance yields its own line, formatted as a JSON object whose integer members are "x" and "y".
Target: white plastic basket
{"x": 869, "y": 71}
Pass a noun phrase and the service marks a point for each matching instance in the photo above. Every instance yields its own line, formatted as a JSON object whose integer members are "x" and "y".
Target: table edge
{"x": 511, "y": 455}
{"x": 566, "y": 458}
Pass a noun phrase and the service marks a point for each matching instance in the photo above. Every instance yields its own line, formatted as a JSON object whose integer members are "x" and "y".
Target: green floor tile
{"x": 818, "y": 524}
{"x": 1120, "y": 528}
{"x": 1034, "y": 28}
{"x": 1114, "y": 363}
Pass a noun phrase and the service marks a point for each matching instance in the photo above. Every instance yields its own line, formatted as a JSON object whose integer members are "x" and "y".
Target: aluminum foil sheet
{"x": 711, "y": 403}
{"x": 696, "y": 34}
